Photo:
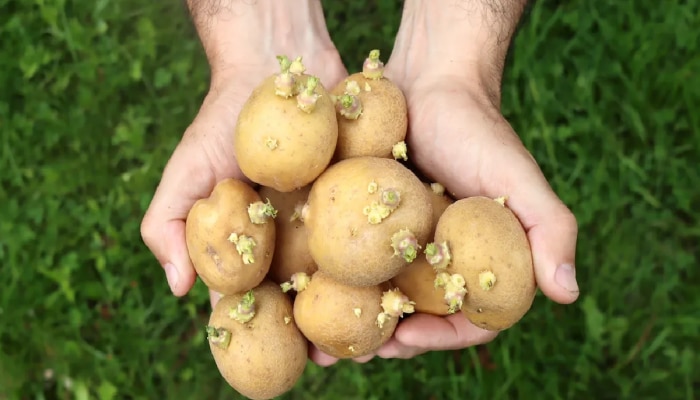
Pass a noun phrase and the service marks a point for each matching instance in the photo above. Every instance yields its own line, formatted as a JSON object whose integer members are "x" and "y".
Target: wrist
{"x": 466, "y": 39}
{"x": 247, "y": 36}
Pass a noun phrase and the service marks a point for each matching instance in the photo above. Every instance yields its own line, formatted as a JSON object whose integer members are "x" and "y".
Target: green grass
{"x": 94, "y": 96}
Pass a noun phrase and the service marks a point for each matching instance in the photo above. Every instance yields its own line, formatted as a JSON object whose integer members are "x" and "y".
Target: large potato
{"x": 366, "y": 219}
{"x": 230, "y": 253}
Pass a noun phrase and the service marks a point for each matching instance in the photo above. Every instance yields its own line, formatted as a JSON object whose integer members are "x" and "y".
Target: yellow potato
{"x": 230, "y": 253}
{"x": 286, "y": 142}
{"x": 382, "y": 123}
{"x": 490, "y": 250}
{"x": 292, "y": 245}
{"x": 257, "y": 347}
{"x": 347, "y": 321}
{"x": 417, "y": 280}
{"x": 367, "y": 218}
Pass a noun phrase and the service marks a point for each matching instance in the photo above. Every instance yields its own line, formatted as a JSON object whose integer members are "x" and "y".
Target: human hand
{"x": 458, "y": 137}
{"x": 205, "y": 153}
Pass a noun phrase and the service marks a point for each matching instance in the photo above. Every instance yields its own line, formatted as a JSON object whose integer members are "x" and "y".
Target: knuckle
{"x": 569, "y": 222}
{"x": 147, "y": 229}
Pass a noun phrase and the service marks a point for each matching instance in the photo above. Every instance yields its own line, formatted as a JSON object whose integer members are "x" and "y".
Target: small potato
{"x": 367, "y": 218}
{"x": 371, "y": 111}
{"x": 347, "y": 321}
{"x": 491, "y": 252}
{"x": 230, "y": 253}
{"x": 417, "y": 280}
{"x": 292, "y": 245}
{"x": 255, "y": 342}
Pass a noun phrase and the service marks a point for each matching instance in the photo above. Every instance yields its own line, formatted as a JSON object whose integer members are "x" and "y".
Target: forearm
{"x": 458, "y": 37}
{"x": 239, "y": 33}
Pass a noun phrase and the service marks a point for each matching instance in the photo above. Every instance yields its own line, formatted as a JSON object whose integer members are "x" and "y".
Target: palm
{"x": 462, "y": 142}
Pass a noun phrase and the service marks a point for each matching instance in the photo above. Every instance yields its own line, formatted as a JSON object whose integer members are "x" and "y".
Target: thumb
{"x": 188, "y": 176}
{"x": 552, "y": 231}
{"x": 163, "y": 225}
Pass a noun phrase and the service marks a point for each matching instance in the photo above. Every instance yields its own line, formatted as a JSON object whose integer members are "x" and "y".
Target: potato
{"x": 347, "y": 321}
{"x": 255, "y": 342}
{"x": 490, "y": 250}
{"x": 372, "y": 113}
{"x": 230, "y": 253}
{"x": 417, "y": 280}
{"x": 286, "y": 132}
{"x": 367, "y": 218}
{"x": 292, "y": 245}
{"x": 440, "y": 201}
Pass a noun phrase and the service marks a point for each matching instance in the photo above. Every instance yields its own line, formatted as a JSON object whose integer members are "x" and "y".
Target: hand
{"x": 205, "y": 156}
{"x": 458, "y": 137}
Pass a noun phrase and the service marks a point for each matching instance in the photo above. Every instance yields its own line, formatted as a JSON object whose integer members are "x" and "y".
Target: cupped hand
{"x": 205, "y": 156}
{"x": 458, "y": 137}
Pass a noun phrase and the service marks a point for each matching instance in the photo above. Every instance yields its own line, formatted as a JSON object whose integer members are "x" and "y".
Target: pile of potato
{"x": 337, "y": 239}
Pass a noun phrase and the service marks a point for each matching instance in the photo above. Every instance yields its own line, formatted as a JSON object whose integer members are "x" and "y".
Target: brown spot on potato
{"x": 214, "y": 256}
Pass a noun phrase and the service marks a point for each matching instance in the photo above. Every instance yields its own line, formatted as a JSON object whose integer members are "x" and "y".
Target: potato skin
{"x": 484, "y": 235}
{"x": 382, "y": 124}
{"x": 268, "y": 354}
{"x": 304, "y": 145}
{"x": 209, "y": 224}
{"x": 325, "y": 313}
{"x": 342, "y": 241}
{"x": 291, "y": 244}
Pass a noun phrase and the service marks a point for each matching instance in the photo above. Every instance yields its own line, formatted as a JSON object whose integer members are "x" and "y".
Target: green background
{"x": 95, "y": 94}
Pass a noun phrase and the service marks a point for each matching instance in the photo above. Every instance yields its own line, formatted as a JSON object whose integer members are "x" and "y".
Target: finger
{"x": 363, "y": 359}
{"x": 431, "y": 332}
{"x": 395, "y": 349}
{"x": 552, "y": 231}
{"x": 163, "y": 225}
{"x": 320, "y": 358}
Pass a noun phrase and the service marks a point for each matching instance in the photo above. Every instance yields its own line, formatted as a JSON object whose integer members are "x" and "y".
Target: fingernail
{"x": 171, "y": 275}
{"x": 565, "y": 276}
